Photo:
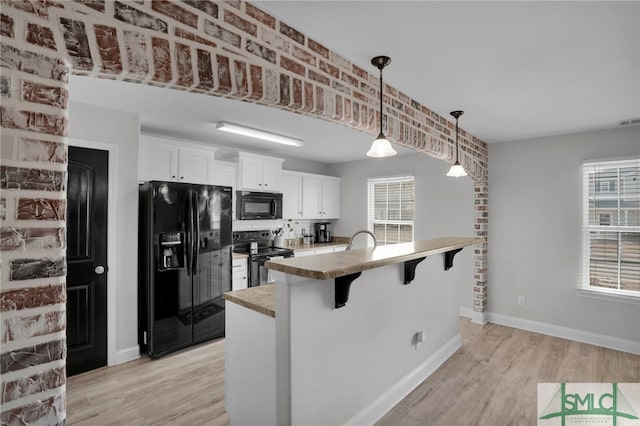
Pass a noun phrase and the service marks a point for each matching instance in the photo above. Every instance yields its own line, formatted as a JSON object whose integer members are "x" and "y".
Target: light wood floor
{"x": 491, "y": 380}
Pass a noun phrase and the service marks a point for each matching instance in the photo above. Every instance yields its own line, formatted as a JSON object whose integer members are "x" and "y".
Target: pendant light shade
{"x": 381, "y": 147}
{"x": 456, "y": 170}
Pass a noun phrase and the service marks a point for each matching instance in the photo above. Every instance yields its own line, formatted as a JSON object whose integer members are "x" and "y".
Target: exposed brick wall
{"x": 231, "y": 49}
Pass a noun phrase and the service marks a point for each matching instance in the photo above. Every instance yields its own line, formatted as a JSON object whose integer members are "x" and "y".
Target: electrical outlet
{"x": 521, "y": 301}
{"x": 418, "y": 338}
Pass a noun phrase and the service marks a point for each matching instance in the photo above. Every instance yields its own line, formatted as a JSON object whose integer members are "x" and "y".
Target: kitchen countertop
{"x": 331, "y": 265}
{"x": 337, "y": 241}
{"x": 235, "y": 255}
{"x": 261, "y": 299}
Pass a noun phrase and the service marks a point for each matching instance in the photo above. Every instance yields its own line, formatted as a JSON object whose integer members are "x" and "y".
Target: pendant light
{"x": 381, "y": 147}
{"x": 456, "y": 170}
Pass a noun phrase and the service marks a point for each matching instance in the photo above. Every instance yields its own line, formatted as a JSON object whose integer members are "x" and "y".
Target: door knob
{"x": 99, "y": 270}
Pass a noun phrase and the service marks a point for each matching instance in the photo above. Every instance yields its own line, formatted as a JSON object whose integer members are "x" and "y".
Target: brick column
{"x": 33, "y": 85}
{"x": 480, "y": 296}
{"x": 215, "y": 48}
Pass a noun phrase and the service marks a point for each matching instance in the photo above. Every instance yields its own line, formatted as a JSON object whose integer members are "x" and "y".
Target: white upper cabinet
{"x": 225, "y": 174}
{"x": 258, "y": 172}
{"x": 291, "y": 185}
{"x": 158, "y": 161}
{"x": 309, "y": 196}
{"x": 196, "y": 165}
{"x": 330, "y": 201}
{"x": 175, "y": 161}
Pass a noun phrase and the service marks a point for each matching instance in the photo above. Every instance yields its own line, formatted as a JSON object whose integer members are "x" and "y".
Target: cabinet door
{"x": 291, "y": 186}
{"x": 195, "y": 165}
{"x": 158, "y": 161}
{"x": 271, "y": 171}
{"x": 225, "y": 174}
{"x": 239, "y": 274}
{"x": 311, "y": 188}
{"x": 331, "y": 198}
{"x": 251, "y": 174}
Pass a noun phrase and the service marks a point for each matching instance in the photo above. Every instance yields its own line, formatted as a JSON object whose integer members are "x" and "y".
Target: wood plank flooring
{"x": 491, "y": 380}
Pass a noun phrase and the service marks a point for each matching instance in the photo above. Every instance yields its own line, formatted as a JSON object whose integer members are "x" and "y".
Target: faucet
{"x": 362, "y": 231}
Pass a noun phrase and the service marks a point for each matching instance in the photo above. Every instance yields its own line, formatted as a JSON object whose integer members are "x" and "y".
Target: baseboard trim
{"x": 567, "y": 333}
{"x": 559, "y": 331}
{"x": 385, "y": 402}
{"x": 475, "y": 317}
{"x": 127, "y": 355}
{"x": 466, "y": 312}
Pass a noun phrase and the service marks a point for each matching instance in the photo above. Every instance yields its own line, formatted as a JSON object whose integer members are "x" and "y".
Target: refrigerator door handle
{"x": 189, "y": 234}
{"x": 196, "y": 237}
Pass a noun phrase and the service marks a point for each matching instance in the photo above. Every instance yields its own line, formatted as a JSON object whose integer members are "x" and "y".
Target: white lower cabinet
{"x": 240, "y": 277}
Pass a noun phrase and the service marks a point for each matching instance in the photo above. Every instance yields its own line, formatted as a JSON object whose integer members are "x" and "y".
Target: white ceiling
{"x": 519, "y": 70}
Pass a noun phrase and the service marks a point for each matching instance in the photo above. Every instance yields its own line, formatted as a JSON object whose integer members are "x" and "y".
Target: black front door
{"x": 87, "y": 190}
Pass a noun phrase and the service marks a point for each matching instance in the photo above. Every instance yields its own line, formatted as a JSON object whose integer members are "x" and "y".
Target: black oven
{"x": 258, "y": 205}
{"x": 257, "y": 245}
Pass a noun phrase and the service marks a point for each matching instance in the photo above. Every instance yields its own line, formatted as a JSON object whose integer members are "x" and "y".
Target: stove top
{"x": 242, "y": 244}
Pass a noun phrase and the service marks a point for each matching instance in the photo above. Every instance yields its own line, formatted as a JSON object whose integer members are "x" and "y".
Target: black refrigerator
{"x": 185, "y": 264}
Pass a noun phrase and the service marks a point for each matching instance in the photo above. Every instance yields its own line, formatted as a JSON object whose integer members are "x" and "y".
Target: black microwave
{"x": 258, "y": 205}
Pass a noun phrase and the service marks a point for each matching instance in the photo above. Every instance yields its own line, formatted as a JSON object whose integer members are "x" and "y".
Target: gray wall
{"x": 444, "y": 205}
{"x": 119, "y": 128}
{"x": 535, "y": 219}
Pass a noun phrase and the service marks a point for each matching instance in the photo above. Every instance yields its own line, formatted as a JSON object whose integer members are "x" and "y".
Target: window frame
{"x": 371, "y": 221}
{"x": 585, "y": 288}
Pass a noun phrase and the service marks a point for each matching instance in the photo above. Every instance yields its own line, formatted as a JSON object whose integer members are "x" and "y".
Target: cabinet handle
{"x": 266, "y": 184}
{"x": 181, "y": 177}
{"x": 259, "y": 184}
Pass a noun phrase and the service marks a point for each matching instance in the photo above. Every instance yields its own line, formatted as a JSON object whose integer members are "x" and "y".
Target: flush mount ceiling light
{"x": 456, "y": 170}
{"x": 381, "y": 147}
{"x": 259, "y": 134}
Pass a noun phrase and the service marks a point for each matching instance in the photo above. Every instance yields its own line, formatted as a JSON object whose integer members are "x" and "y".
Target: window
{"x": 611, "y": 226}
{"x": 391, "y": 209}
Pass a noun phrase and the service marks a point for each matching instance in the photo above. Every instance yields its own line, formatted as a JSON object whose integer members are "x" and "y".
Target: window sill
{"x": 608, "y": 296}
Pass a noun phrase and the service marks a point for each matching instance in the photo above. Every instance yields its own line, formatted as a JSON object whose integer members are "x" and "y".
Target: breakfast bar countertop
{"x": 261, "y": 299}
{"x": 331, "y": 265}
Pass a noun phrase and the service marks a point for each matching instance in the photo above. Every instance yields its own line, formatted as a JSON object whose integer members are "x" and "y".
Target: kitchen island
{"x": 352, "y": 333}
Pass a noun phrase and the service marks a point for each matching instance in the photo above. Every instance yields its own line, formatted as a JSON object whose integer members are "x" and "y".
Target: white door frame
{"x": 111, "y": 240}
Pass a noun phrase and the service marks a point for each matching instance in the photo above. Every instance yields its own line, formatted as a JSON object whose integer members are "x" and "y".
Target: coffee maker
{"x": 323, "y": 234}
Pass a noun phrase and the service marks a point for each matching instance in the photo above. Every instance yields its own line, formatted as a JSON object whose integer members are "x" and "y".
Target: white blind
{"x": 611, "y": 226}
{"x": 391, "y": 209}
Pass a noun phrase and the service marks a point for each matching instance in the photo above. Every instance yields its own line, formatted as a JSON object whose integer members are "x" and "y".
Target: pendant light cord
{"x": 456, "y": 139}
{"x": 457, "y": 115}
{"x": 381, "y": 101}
